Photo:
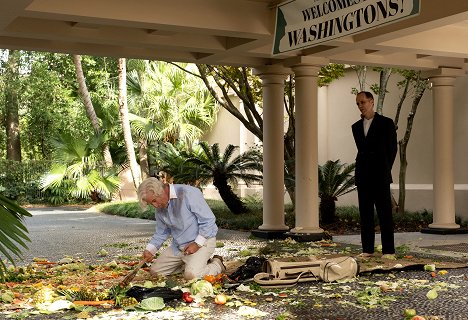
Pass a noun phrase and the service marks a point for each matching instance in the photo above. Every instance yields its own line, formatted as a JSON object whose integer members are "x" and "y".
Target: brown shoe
{"x": 219, "y": 260}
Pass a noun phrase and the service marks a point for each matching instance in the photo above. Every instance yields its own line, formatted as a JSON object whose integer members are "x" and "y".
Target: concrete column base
{"x": 308, "y": 237}
{"x": 269, "y": 234}
{"x": 444, "y": 225}
{"x": 444, "y": 230}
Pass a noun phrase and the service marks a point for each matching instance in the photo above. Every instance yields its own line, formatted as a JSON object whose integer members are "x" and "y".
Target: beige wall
{"x": 229, "y": 130}
{"x": 127, "y": 188}
{"x": 343, "y": 113}
{"x": 338, "y": 111}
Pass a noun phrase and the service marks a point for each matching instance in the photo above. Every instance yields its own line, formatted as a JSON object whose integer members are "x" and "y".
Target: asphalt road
{"x": 75, "y": 232}
{"x": 56, "y": 233}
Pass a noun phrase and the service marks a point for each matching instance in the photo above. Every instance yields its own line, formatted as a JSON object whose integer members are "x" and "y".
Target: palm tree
{"x": 139, "y": 99}
{"x": 13, "y": 233}
{"x": 168, "y": 105}
{"x": 125, "y": 122}
{"x": 12, "y": 105}
{"x": 334, "y": 179}
{"x": 210, "y": 166}
{"x": 182, "y": 106}
{"x": 80, "y": 170}
{"x": 84, "y": 93}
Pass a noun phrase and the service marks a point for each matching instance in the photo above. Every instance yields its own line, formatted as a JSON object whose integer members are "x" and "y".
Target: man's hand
{"x": 147, "y": 256}
{"x": 191, "y": 248}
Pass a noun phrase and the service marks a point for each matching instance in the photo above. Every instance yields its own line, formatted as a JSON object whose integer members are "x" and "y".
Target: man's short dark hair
{"x": 368, "y": 94}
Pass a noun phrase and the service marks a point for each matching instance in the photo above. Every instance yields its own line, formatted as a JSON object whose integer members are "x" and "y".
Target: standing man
{"x": 181, "y": 212}
{"x": 376, "y": 142}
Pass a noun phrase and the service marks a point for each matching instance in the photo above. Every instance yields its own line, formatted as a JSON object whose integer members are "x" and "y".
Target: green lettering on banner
{"x": 300, "y": 25}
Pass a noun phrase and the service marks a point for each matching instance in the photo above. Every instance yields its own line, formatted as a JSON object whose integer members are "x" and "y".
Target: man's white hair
{"x": 150, "y": 185}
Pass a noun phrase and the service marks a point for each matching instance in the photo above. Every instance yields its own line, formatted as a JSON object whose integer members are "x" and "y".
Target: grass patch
{"x": 402, "y": 250}
{"x": 118, "y": 245}
{"x": 126, "y": 257}
{"x": 347, "y": 217}
{"x": 130, "y": 209}
{"x": 245, "y": 253}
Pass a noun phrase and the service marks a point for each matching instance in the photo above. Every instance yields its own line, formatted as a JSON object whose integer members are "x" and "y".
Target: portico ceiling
{"x": 229, "y": 32}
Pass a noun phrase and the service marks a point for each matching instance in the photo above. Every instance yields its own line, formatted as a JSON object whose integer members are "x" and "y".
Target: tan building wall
{"x": 343, "y": 113}
{"x": 338, "y": 111}
{"x": 127, "y": 188}
{"x": 226, "y": 131}
{"x": 229, "y": 130}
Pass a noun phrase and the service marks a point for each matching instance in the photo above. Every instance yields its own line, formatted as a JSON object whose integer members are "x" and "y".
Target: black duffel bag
{"x": 141, "y": 293}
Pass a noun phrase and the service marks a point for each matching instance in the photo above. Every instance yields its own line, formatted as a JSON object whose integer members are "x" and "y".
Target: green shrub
{"x": 130, "y": 209}
{"x": 412, "y": 220}
{"x": 227, "y": 220}
{"x": 19, "y": 181}
{"x": 347, "y": 222}
{"x": 348, "y": 214}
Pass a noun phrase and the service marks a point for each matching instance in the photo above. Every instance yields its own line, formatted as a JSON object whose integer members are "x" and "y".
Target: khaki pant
{"x": 194, "y": 265}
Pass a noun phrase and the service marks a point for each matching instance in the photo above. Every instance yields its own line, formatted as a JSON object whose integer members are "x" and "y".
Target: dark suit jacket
{"x": 376, "y": 151}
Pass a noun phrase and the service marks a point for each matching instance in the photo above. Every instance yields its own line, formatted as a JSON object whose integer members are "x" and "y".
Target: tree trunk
{"x": 327, "y": 209}
{"x": 125, "y": 121}
{"x": 144, "y": 164}
{"x": 361, "y": 72}
{"x": 84, "y": 93}
{"x": 400, "y": 103}
{"x": 252, "y": 119}
{"x": 384, "y": 76}
{"x": 290, "y": 185}
{"x": 402, "y": 177}
{"x": 233, "y": 202}
{"x": 420, "y": 87}
{"x": 289, "y": 146}
{"x": 12, "y": 106}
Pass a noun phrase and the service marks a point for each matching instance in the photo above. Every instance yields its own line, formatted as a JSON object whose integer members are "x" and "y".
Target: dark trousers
{"x": 377, "y": 195}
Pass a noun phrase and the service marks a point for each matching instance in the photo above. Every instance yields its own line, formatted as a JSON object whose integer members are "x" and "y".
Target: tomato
{"x": 187, "y": 297}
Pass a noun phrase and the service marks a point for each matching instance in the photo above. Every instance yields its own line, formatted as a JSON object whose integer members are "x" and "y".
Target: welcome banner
{"x": 306, "y": 23}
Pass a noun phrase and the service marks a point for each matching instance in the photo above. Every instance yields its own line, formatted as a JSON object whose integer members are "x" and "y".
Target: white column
{"x": 322, "y": 124}
{"x": 273, "y": 147}
{"x": 306, "y": 145}
{"x": 443, "y": 81}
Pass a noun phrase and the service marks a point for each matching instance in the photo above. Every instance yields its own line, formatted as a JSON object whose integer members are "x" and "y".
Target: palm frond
{"x": 335, "y": 179}
{"x": 228, "y": 152}
{"x": 13, "y": 233}
{"x": 144, "y": 128}
{"x": 55, "y": 177}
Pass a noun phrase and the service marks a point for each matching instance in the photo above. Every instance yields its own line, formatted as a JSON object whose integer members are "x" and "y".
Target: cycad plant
{"x": 334, "y": 179}
{"x": 79, "y": 170}
{"x": 207, "y": 165}
{"x": 172, "y": 161}
{"x": 13, "y": 233}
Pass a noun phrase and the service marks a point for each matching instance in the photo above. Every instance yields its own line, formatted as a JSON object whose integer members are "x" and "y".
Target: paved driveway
{"x": 59, "y": 232}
